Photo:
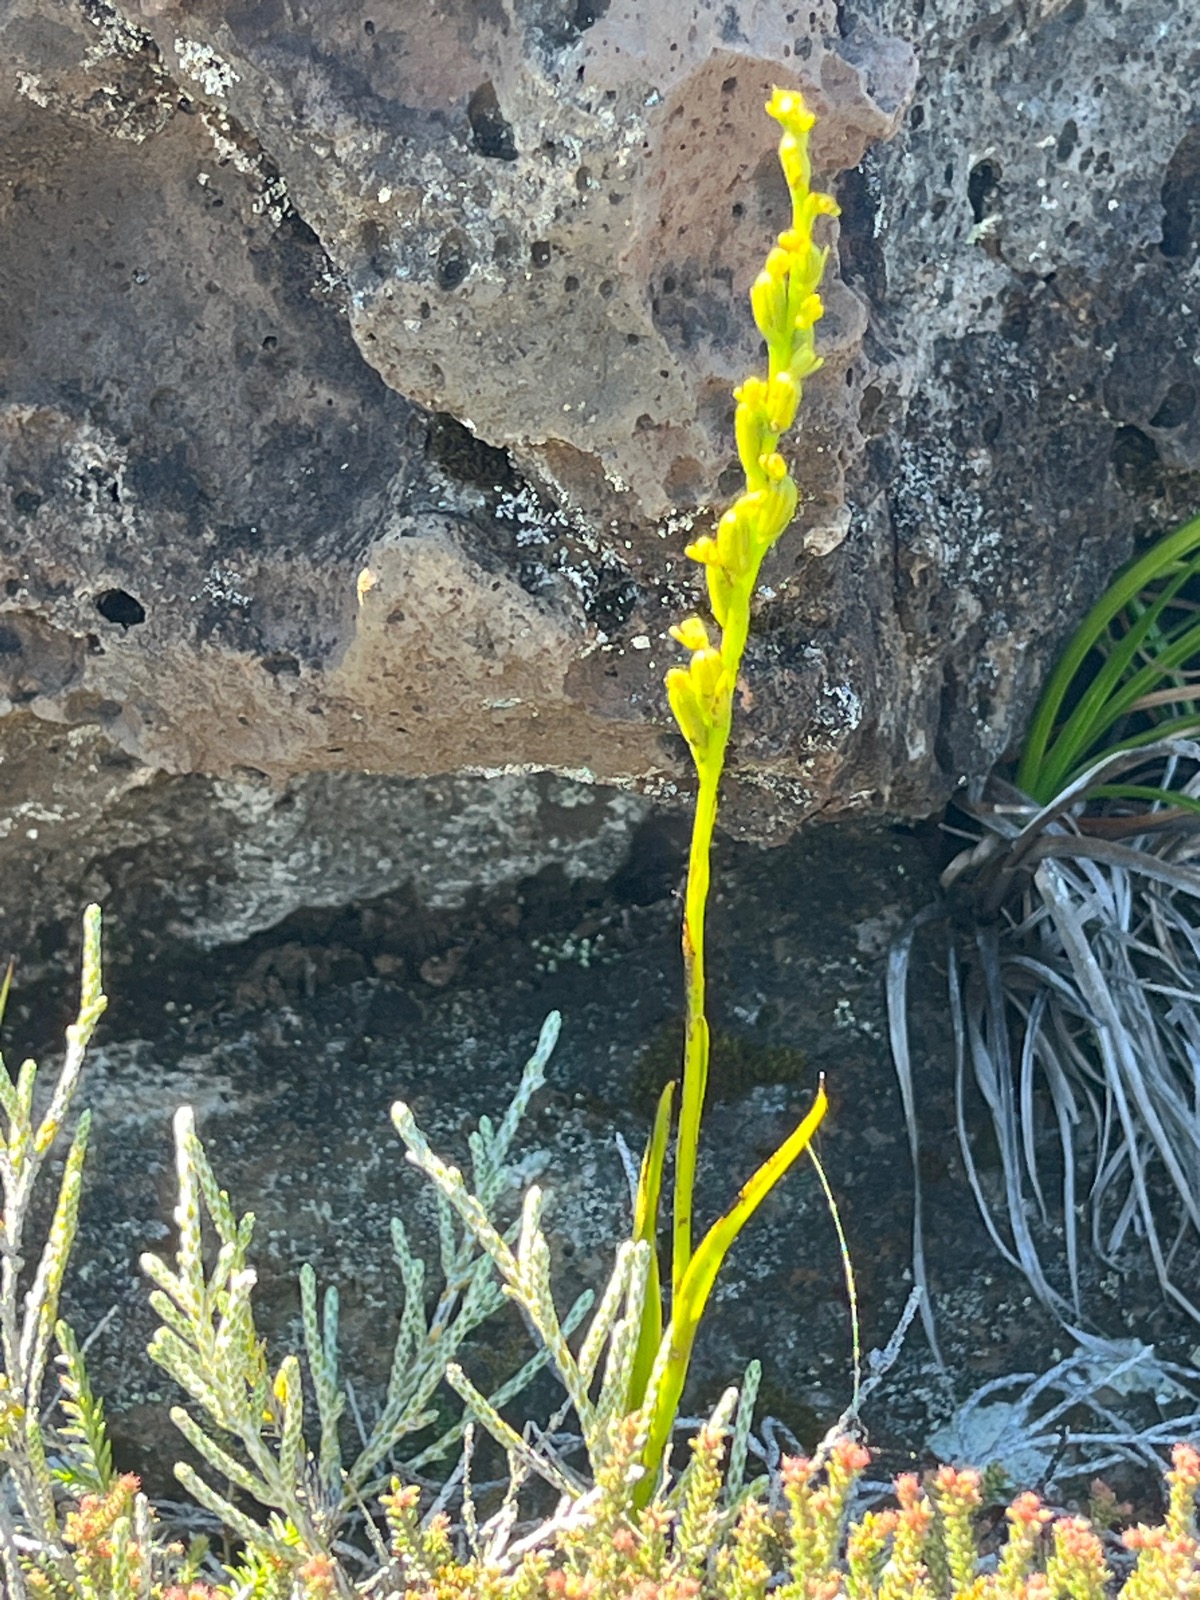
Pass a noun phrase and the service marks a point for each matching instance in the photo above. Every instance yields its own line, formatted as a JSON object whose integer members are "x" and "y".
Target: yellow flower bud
{"x": 720, "y": 591}
{"x": 778, "y": 509}
{"x": 805, "y": 362}
{"x": 692, "y": 634}
{"x": 687, "y": 711}
{"x": 783, "y": 396}
{"x": 768, "y": 302}
{"x": 733, "y": 539}
{"x": 789, "y": 110}
{"x": 749, "y": 426}
{"x": 703, "y": 550}
{"x": 707, "y": 672}
{"x": 778, "y": 264}
{"x": 753, "y": 393}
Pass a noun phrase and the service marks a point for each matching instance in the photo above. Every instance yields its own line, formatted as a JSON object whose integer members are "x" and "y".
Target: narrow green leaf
{"x": 1121, "y": 700}
{"x": 1170, "y": 798}
{"x": 697, "y": 1285}
{"x": 1147, "y": 569}
{"x": 6, "y": 987}
{"x": 645, "y": 1228}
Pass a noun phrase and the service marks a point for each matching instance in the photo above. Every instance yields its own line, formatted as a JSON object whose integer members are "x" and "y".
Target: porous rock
{"x": 362, "y": 377}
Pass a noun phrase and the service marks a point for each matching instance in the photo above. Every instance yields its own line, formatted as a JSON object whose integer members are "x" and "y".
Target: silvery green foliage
{"x": 34, "y": 1457}
{"x": 599, "y": 1380}
{"x": 701, "y": 1503}
{"x": 247, "y": 1423}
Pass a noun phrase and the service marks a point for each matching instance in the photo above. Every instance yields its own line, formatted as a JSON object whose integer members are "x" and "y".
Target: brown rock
{"x": 292, "y": 292}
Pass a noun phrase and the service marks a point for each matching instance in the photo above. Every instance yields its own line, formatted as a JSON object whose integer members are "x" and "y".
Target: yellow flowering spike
{"x": 786, "y": 306}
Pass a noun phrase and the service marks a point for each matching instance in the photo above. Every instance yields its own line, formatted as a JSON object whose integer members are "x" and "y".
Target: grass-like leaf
{"x": 1141, "y": 649}
{"x": 1075, "y": 1002}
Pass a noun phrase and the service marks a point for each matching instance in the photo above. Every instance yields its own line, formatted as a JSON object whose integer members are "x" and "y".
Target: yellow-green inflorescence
{"x": 786, "y": 307}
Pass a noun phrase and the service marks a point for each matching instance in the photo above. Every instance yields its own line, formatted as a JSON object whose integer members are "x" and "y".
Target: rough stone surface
{"x": 292, "y": 1052}
{"x": 215, "y": 861}
{"x": 361, "y": 379}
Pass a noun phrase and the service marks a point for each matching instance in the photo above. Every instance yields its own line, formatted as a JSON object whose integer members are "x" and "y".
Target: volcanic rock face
{"x": 363, "y": 373}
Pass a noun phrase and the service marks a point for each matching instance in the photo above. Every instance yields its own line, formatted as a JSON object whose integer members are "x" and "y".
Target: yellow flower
{"x": 691, "y": 634}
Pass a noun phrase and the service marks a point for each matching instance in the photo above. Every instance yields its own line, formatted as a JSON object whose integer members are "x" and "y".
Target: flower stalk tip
{"x": 786, "y": 306}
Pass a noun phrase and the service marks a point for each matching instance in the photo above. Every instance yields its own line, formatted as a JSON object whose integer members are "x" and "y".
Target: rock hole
{"x": 280, "y": 664}
{"x": 270, "y": 342}
{"x": 1134, "y": 455}
{"x": 26, "y": 501}
{"x": 1181, "y": 196}
{"x": 539, "y": 253}
{"x": 729, "y": 85}
{"x": 982, "y": 182}
{"x": 1178, "y": 406}
{"x": 916, "y": 116}
{"x": 570, "y": 284}
{"x": 491, "y": 131}
{"x": 453, "y": 263}
{"x": 117, "y": 605}
{"x": 11, "y": 643}
{"x": 587, "y": 13}
{"x": 1067, "y": 140}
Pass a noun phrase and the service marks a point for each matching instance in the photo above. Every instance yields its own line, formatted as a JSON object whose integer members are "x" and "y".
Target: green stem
{"x": 696, "y": 1039}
